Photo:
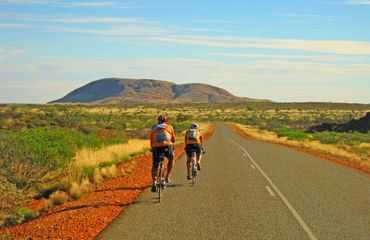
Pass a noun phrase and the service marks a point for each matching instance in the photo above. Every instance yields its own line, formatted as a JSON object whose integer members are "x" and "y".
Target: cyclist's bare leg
{"x": 188, "y": 165}
{"x": 199, "y": 158}
{"x": 170, "y": 165}
{"x": 154, "y": 171}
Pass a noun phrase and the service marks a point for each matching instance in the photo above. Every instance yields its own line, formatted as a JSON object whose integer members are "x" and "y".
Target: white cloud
{"x": 6, "y": 53}
{"x": 71, "y": 4}
{"x": 76, "y": 20}
{"x": 291, "y": 57}
{"x": 16, "y": 25}
{"x": 26, "y": 2}
{"x": 324, "y": 46}
{"x": 357, "y": 2}
{"x": 116, "y": 31}
{"x": 303, "y": 15}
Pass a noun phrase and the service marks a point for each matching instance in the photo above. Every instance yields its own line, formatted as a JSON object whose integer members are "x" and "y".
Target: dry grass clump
{"x": 44, "y": 205}
{"x": 98, "y": 178}
{"x": 89, "y": 157}
{"x": 58, "y": 197}
{"x": 109, "y": 172}
{"x": 78, "y": 190}
{"x": 75, "y": 191}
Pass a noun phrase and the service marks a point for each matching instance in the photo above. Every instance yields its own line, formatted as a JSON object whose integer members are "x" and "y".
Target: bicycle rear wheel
{"x": 193, "y": 170}
{"x": 159, "y": 182}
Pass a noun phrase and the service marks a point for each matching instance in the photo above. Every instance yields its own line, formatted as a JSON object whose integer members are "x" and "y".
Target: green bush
{"x": 326, "y": 137}
{"x": 292, "y": 135}
{"x": 27, "y": 214}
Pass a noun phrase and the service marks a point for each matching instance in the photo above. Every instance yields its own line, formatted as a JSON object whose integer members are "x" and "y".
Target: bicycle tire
{"x": 193, "y": 170}
{"x": 159, "y": 182}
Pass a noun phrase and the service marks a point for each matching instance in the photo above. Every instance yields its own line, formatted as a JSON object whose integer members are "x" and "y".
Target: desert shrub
{"x": 27, "y": 213}
{"x": 11, "y": 198}
{"x": 44, "y": 205}
{"x": 109, "y": 172}
{"x": 326, "y": 137}
{"x": 75, "y": 191}
{"x": 47, "y": 191}
{"x": 180, "y": 126}
{"x": 97, "y": 176}
{"x": 88, "y": 171}
{"x": 292, "y": 135}
{"x": 13, "y": 219}
{"x": 86, "y": 186}
{"x": 58, "y": 197}
{"x": 182, "y": 117}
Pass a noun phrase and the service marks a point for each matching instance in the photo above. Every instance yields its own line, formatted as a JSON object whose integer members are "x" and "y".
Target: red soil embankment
{"x": 325, "y": 156}
{"x": 87, "y": 217}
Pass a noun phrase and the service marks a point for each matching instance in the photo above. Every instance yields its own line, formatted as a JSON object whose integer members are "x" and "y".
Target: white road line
{"x": 272, "y": 194}
{"x": 283, "y": 198}
{"x": 253, "y": 167}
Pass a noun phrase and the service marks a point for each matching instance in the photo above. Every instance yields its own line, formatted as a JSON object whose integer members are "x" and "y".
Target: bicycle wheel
{"x": 193, "y": 169}
{"x": 159, "y": 181}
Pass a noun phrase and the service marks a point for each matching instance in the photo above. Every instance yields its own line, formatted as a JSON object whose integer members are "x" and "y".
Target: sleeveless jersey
{"x": 162, "y": 135}
{"x": 192, "y": 136}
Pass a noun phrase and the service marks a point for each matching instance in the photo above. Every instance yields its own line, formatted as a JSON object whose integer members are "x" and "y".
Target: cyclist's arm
{"x": 201, "y": 140}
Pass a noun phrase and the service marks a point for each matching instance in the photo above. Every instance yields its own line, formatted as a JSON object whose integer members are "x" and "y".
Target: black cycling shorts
{"x": 166, "y": 150}
{"x": 197, "y": 147}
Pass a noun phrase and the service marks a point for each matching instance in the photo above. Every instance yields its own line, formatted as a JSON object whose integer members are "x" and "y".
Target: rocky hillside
{"x": 360, "y": 125}
{"x": 118, "y": 90}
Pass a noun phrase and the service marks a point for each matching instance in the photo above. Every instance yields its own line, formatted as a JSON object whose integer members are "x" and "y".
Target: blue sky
{"x": 279, "y": 50}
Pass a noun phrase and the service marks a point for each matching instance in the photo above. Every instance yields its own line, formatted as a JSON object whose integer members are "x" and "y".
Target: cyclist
{"x": 193, "y": 142}
{"x": 162, "y": 138}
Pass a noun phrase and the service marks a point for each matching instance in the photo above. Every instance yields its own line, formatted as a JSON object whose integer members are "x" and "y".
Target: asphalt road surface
{"x": 252, "y": 190}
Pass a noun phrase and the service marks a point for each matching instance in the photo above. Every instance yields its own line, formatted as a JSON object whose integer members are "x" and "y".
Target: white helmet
{"x": 194, "y": 125}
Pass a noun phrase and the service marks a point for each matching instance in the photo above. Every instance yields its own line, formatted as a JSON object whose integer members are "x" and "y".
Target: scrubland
{"x": 52, "y": 152}
{"x": 59, "y": 152}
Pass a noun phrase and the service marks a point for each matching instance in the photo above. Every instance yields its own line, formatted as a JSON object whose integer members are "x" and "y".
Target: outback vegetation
{"x": 60, "y": 152}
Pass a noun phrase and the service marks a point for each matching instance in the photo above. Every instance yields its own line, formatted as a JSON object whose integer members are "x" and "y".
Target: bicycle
{"x": 194, "y": 171}
{"x": 160, "y": 178}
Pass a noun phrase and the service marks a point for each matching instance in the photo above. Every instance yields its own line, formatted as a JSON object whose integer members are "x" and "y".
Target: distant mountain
{"x": 122, "y": 90}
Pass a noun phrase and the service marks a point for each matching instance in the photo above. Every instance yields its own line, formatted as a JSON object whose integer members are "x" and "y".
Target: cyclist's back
{"x": 162, "y": 138}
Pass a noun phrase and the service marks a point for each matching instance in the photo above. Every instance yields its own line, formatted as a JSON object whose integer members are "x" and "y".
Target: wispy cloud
{"x": 6, "y": 53}
{"x": 291, "y": 57}
{"x": 115, "y": 31}
{"x": 76, "y": 20}
{"x": 16, "y": 25}
{"x": 357, "y": 2}
{"x": 303, "y": 15}
{"x": 324, "y": 46}
{"x": 68, "y": 4}
{"x": 213, "y": 21}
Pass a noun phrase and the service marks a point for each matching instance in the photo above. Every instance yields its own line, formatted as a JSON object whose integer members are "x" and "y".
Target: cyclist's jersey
{"x": 193, "y": 136}
{"x": 162, "y": 135}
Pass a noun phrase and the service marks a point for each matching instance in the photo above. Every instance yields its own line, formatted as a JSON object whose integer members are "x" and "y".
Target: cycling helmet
{"x": 194, "y": 125}
{"x": 162, "y": 119}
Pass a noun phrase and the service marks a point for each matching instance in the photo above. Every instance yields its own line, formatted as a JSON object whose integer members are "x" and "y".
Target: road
{"x": 252, "y": 190}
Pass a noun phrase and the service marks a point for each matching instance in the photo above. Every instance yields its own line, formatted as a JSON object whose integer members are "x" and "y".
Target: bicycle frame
{"x": 160, "y": 179}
